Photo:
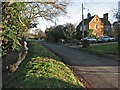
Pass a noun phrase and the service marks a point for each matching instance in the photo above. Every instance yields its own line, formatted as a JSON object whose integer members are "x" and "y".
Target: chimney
{"x": 105, "y": 16}
{"x": 88, "y": 15}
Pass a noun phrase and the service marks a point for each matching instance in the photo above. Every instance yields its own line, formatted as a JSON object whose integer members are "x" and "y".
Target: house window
{"x": 96, "y": 26}
{"x": 83, "y": 28}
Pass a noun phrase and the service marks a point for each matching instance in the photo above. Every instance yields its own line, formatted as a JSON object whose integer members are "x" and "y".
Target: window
{"x": 96, "y": 26}
{"x": 83, "y": 28}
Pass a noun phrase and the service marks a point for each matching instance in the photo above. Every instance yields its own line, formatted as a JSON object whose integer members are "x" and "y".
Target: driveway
{"x": 101, "y": 72}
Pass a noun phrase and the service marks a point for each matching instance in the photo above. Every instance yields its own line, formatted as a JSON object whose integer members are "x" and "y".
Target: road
{"x": 101, "y": 72}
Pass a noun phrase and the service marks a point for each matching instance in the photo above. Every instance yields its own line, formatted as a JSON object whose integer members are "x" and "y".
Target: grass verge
{"x": 42, "y": 69}
{"x": 104, "y": 49}
{"x": 0, "y": 52}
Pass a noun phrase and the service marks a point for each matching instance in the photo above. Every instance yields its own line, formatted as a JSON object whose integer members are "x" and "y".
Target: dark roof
{"x": 87, "y": 20}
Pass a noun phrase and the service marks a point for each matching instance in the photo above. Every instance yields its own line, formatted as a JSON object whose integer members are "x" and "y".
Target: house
{"x": 100, "y": 26}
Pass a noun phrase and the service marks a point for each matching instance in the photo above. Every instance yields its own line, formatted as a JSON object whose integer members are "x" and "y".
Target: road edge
{"x": 80, "y": 78}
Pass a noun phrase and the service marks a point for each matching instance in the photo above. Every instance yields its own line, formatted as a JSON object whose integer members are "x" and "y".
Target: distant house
{"x": 100, "y": 26}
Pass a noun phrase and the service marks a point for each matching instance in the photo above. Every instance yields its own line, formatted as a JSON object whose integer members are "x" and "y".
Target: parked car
{"x": 89, "y": 39}
{"x": 106, "y": 39}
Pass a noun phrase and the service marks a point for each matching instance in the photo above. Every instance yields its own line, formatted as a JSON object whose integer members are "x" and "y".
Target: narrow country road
{"x": 101, "y": 72}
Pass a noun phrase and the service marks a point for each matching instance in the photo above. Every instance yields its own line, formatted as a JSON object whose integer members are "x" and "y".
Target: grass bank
{"x": 42, "y": 69}
{"x": 104, "y": 49}
{"x": 0, "y": 51}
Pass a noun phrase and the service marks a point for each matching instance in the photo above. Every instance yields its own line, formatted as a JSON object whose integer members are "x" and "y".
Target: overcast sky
{"x": 74, "y": 15}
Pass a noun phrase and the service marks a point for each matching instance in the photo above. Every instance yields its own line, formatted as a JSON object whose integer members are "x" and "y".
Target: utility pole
{"x": 118, "y": 17}
{"x": 119, "y": 11}
{"x": 82, "y": 22}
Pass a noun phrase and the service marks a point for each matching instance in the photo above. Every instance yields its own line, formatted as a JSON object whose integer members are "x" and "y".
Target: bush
{"x": 73, "y": 41}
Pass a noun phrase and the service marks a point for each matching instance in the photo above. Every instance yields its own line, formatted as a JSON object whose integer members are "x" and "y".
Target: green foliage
{"x": 12, "y": 28}
{"x": 42, "y": 70}
{"x": 18, "y": 17}
{"x": 55, "y": 33}
{"x": 69, "y": 31}
{"x": 89, "y": 33}
{"x": 42, "y": 67}
{"x": 60, "y": 32}
{"x": 48, "y": 33}
{"x": 104, "y": 49}
{"x": 79, "y": 34}
{"x": 38, "y": 50}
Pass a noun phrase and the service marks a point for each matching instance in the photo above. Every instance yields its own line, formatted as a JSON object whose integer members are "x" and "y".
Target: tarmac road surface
{"x": 101, "y": 72}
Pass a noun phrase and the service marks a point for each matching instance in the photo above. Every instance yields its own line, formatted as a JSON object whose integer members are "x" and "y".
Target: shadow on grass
{"x": 39, "y": 83}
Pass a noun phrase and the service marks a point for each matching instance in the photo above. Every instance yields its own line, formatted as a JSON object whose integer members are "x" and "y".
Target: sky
{"x": 74, "y": 14}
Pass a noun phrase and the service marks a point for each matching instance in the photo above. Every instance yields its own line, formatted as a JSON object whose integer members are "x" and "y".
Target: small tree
{"x": 58, "y": 33}
{"x": 69, "y": 30}
{"x": 48, "y": 33}
{"x": 55, "y": 33}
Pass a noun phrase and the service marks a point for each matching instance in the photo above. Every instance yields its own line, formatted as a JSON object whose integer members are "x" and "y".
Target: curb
{"x": 55, "y": 53}
{"x": 81, "y": 79}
